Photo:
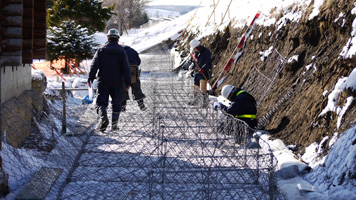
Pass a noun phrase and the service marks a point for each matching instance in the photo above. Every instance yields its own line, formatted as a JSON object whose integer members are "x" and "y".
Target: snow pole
{"x": 75, "y": 65}
{"x": 212, "y": 13}
{"x": 227, "y": 10}
{"x": 238, "y": 47}
{"x": 72, "y": 68}
{"x": 59, "y": 74}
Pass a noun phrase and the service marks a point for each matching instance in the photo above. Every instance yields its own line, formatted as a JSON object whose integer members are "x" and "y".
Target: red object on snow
{"x": 59, "y": 74}
{"x": 72, "y": 68}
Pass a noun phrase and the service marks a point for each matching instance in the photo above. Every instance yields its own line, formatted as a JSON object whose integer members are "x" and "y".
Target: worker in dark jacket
{"x": 201, "y": 66}
{"x": 110, "y": 61}
{"x": 243, "y": 104}
{"x": 135, "y": 61}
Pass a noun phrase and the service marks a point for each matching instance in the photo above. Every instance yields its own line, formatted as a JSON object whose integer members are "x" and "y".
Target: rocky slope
{"x": 291, "y": 69}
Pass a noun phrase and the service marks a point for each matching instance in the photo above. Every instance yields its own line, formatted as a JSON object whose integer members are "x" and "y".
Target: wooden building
{"x": 22, "y": 39}
{"x": 23, "y": 31}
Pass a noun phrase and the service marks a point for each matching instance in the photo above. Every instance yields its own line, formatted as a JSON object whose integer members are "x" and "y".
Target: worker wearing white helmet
{"x": 201, "y": 70}
{"x": 194, "y": 43}
{"x": 111, "y": 69}
{"x": 243, "y": 104}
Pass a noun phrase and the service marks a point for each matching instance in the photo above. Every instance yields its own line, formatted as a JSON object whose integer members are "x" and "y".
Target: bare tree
{"x": 128, "y": 14}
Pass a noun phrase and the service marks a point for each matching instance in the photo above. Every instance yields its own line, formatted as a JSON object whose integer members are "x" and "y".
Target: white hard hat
{"x": 113, "y": 33}
{"x": 226, "y": 91}
{"x": 194, "y": 43}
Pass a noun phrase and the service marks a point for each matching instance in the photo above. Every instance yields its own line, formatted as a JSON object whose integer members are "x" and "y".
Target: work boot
{"x": 195, "y": 99}
{"x": 141, "y": 105}
{"x": 114, "y": 120}
{"x": 103, "y": 121}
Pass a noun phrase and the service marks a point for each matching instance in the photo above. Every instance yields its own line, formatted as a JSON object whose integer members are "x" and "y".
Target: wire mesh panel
{"x": 265, "y": 76}
{"x": 172, "y": 150}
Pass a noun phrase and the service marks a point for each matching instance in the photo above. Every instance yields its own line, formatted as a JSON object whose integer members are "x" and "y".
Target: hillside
{"x": 304, "y": 57}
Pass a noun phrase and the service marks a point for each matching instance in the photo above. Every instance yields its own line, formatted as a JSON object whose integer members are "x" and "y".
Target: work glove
{"x": 217, "y": 105}
{"x": 201, "y": 71}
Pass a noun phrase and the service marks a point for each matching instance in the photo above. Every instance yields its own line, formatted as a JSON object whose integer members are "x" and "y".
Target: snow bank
{"x": 337, "y": 173}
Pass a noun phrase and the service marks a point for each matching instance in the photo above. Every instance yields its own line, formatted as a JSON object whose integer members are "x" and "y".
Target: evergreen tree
{"x": 88, "y": 13}
{"x": 67, "y": 38}
{"x": 69, "y": 41}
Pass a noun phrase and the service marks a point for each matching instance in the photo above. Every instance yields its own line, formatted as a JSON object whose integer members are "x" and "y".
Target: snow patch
{"x": 350, "y": 48}
{"x": 293, "y": 58}
{"x": 313, "y": 152}
{"x": 37, "y": 75}
{"x": 342, "y": 84}
{"x": 290, "y": 16}
{"x": 341, "y": 15}
{"x": 265, "y": 54}
{"x": 316, "y": 6}
{"x": 349, "y": 100}
{"x": 311, "y": 66}
{"x": 325, "y": 93}
{"x": 333, "y": 139}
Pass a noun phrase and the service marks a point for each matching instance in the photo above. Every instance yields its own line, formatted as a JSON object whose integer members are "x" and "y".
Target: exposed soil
{"x": 290, "y": 109}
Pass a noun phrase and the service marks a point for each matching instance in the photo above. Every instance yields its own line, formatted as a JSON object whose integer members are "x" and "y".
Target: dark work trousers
{"x": 136, "y": 92}
{"x": 102, "y": 100}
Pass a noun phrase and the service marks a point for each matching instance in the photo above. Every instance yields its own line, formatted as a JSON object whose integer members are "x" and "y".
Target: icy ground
{"x": 170, "y": 151}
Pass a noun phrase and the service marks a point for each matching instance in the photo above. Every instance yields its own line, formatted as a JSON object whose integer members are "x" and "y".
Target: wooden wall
{"x": 22, "y": 31}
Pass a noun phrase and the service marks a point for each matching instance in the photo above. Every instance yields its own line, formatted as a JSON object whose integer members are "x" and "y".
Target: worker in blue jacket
{"x": 113, "y": 75}
{"x": 135, "y": 61}
{"x": 201, "y": 70}
{"x": 243, "y": 105}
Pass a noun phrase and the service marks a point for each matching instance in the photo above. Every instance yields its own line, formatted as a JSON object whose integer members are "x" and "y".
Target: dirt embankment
{"x": 291, "y": 81}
